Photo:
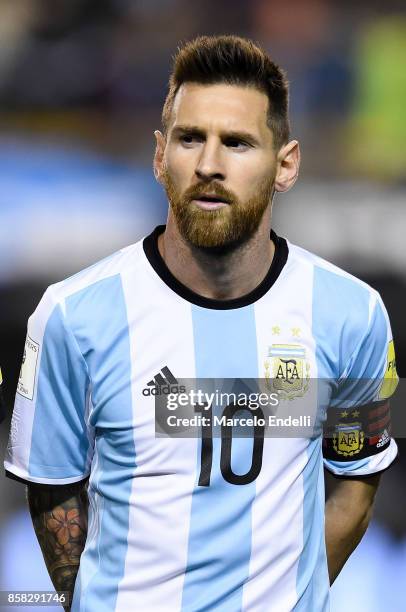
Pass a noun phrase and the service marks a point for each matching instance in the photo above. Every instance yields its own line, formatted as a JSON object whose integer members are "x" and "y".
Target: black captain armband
{"x": 357, "y": 433}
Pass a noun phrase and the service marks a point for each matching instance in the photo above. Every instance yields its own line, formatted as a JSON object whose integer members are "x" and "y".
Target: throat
{"x": 216, "y": 273}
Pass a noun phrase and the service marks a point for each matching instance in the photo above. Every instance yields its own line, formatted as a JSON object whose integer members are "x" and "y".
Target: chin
{"x": 214, "y": 231}
{"x": 221, "y": 246}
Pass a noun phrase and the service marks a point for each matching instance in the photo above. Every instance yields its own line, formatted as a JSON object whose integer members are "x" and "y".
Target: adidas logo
{"x": 163, "y": 383}
{"x": 384, "y": 439}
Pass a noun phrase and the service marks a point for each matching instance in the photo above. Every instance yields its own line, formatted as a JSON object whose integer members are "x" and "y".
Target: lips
{"x": 210, "y": 203}
{"x": 211, "y": 198}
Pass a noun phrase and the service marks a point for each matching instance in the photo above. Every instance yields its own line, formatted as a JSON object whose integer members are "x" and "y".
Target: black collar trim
{"x": 150, "y": 245}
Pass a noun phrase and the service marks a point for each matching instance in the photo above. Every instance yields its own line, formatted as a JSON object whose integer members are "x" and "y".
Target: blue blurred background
{"x": 82, "y": 84}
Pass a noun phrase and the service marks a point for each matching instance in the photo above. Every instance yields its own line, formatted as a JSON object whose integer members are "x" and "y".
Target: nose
{"x": 210, "y": 165}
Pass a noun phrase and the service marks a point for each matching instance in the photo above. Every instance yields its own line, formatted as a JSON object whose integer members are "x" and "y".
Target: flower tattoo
{"x": 65, "y": 524}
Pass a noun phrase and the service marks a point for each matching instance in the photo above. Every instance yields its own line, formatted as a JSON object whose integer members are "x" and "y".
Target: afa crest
{"x": 348, "y": 439}
{"x": 287, "y": 370}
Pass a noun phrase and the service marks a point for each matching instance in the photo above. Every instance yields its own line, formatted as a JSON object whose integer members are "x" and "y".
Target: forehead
{"x": 221, "y": 106}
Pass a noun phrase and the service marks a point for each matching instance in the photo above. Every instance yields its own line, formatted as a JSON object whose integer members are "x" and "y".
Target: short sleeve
{"x": 50, "y": 441}
{"x": 357, "y": 437}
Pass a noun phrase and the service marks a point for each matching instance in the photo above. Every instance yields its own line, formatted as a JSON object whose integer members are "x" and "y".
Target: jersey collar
{"x": 150, "y": 245}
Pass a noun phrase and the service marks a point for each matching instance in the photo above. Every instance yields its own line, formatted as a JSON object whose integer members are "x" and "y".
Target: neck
{"x": 218, "y": 275}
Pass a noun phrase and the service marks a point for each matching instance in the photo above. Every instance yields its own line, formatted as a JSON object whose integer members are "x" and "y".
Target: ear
{"x": 288, "y": 162}
{"x": 159, "y": 155}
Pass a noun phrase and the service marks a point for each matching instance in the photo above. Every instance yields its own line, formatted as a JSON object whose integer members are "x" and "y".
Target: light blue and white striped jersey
{"x": 157, "y": 540}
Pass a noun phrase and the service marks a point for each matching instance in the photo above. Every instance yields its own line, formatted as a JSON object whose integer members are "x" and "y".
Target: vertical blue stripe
{"x": 336, "y": 336}
{"x": 370, "y": 359}
{"x": 367, "y": 366}
{"x": 98, "y": 317}
{"x": 220, "y": 526}
{"x": 313, "y": 558}
{"x": 312, "y": 582}
{"x": 340, "y": 316}
{"x": 60, "y": 406}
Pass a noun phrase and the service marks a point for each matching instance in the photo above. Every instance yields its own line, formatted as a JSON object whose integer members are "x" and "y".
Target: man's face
{"x": 218, "y": 163}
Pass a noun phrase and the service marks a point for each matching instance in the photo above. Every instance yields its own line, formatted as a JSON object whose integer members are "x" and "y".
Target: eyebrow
{"x": 237, "y": 134}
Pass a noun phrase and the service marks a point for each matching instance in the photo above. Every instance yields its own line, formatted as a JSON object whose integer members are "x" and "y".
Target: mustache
{"x": 214, "y": 189}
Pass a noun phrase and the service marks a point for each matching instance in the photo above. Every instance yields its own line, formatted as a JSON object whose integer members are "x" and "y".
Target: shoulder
{"x": 349, "y": 321}
{"x": 92, "y": 284}
{"x": 334, "y": 285}
{"x": 112, "y": 266}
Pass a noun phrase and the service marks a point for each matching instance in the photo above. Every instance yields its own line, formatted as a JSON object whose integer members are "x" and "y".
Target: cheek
{"x": 248, "y": 179}
{"x": 180, "y": 166}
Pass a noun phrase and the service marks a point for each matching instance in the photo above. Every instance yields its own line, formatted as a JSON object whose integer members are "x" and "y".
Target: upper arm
{"x": 359, "y": 492}
{"x": 357, "y": 439}
{"x": 50, "y": 438}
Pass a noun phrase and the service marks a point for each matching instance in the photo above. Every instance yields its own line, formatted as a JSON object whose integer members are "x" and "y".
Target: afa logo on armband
{"x": 26, "y": 381}
{"x": 390, "y": 379}
{"x": 348, "y": 439}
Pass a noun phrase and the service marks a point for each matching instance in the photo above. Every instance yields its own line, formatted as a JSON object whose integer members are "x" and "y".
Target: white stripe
{"x": 166, "y": 468}
{"x": 86, "y": 571}
{"x": 277, "y": 512}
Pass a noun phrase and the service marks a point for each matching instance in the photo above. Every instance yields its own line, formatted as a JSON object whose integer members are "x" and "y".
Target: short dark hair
{"x": 208, "y": 60}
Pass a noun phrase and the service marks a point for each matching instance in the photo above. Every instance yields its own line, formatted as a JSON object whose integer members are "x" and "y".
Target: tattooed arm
{"x": 59, "y": 516}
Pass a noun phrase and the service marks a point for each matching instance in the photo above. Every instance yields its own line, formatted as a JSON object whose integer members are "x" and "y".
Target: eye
{"x": 188, "y": 139}
{"x": 234, "y": 143}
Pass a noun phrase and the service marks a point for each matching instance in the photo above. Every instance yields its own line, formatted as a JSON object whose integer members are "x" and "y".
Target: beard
{"x": 222, "y": 229}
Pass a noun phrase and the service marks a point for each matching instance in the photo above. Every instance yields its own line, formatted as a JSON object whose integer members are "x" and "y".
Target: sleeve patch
{"x": 26, "y": 381}
{"x": 390, "y": 380}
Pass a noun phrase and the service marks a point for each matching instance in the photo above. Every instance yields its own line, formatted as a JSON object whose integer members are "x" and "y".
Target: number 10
{"x": 206, "y": 456}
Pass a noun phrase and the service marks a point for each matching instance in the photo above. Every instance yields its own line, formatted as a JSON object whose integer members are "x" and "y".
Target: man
{"x": 197, "y": 523}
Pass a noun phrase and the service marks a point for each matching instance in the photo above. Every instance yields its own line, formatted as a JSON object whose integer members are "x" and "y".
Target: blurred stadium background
{"x": 82, "y": 83}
